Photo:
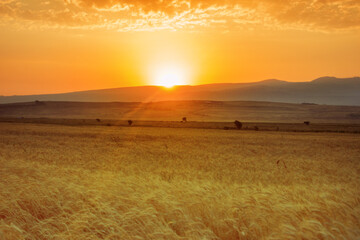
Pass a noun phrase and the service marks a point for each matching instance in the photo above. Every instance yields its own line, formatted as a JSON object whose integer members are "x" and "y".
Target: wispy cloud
{"x": 147, "y": 15}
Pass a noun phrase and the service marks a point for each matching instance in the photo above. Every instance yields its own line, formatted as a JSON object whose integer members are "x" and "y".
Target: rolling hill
{"x": 203, "y": 111}
{"x": 325, "y": 90}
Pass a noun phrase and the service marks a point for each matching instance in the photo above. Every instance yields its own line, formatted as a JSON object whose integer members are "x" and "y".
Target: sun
{"x": 170, "y": 76}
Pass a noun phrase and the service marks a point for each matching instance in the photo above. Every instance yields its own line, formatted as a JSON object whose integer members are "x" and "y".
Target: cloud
{"x": 146, "y": 15}
{"x": 326, "y": 14}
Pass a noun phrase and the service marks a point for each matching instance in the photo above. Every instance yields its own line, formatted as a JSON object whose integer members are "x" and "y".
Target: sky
{"x": 72, "y": 45}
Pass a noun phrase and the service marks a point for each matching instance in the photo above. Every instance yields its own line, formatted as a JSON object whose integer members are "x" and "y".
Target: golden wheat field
{"x": 96, "y": 182}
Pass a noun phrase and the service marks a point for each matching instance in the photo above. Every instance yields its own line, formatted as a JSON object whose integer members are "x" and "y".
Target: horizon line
{"x": 185, "y": 85}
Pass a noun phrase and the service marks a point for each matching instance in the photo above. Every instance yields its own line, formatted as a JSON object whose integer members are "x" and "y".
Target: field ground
{"x": 260, "y": 126}
{"x": 96, "y": 182}
{"x": 201, "y": 111}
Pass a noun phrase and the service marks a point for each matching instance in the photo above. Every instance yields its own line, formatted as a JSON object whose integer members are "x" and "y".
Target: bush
{"x": 238, "y": 124}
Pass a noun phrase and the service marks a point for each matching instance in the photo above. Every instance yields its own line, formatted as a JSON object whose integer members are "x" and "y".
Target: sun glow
{"x": 170, "y": 76}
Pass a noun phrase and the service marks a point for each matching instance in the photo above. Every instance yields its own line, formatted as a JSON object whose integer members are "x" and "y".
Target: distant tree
{"x": 256, "y": 128}
{"x": 98, "y": 120}
{"x": 238, "y": 124}
{"x": 184, "y": 119}
{"x": 307, "y": 123}
{"x": 130, "y": 122}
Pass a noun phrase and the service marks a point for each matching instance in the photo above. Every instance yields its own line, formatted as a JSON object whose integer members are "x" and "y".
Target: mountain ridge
{"x": 323, "y": 90}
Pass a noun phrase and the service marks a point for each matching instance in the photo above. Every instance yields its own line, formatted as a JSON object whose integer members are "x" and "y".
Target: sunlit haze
{"x": 71, "y": 45}
{"x": 170, "y": 75}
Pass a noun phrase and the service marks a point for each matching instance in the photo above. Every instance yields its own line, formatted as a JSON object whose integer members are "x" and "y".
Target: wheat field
{"x": 96, "y": 182}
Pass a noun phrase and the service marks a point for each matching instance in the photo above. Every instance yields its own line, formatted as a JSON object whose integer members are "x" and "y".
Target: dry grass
{"x": 93, "y": 182}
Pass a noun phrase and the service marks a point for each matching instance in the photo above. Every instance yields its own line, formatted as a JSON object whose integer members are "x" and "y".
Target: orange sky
{"x": 69, "y": 45}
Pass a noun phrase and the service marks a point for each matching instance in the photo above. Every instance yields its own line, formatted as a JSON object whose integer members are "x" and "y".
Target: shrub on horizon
{"x": 238, "y": 124}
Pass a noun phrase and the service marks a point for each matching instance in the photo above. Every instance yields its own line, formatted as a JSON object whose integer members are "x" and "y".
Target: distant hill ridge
{"x": 324, "y": 90}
